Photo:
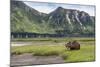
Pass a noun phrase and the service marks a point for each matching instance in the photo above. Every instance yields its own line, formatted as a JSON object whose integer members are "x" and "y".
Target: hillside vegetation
{"x": 61, "y": 21}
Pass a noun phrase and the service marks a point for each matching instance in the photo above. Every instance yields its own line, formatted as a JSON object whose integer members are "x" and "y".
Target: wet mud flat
{"x": 29, "y": 59}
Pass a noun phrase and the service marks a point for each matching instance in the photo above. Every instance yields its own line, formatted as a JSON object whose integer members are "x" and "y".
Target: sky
{"x": 49, "y": 7}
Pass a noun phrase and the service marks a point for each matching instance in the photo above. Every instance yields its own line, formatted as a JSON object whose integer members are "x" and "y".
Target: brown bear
{"x": 73, "y": 45}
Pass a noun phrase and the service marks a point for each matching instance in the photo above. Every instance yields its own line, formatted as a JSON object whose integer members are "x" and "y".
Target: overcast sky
{"x": 49, "y": 7}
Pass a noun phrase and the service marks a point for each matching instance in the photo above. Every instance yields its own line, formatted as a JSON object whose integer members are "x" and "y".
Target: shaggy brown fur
{"x": 73, "y": 45}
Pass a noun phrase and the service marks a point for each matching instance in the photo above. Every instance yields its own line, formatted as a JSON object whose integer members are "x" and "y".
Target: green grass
{"x": 39, "y": 50}
{"x": 86, "y": 53}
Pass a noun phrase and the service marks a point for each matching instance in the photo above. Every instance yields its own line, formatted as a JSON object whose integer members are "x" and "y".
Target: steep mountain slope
{"x": 60, "y": 21}
{"x": 25, "y": 18}
{"x": 71, "y": 21}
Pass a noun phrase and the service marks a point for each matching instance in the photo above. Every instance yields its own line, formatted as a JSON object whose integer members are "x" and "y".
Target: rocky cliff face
{"x": 60, "y": 21}
{"x": 70, "y": 20}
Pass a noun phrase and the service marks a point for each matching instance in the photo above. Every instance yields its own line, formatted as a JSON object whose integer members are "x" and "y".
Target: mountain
{"x": 60, "y": 21}
{"x": 71, "y": 21}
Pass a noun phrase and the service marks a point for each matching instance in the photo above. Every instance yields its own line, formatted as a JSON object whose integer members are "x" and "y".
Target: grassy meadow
{"x": 55, "y": 47}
